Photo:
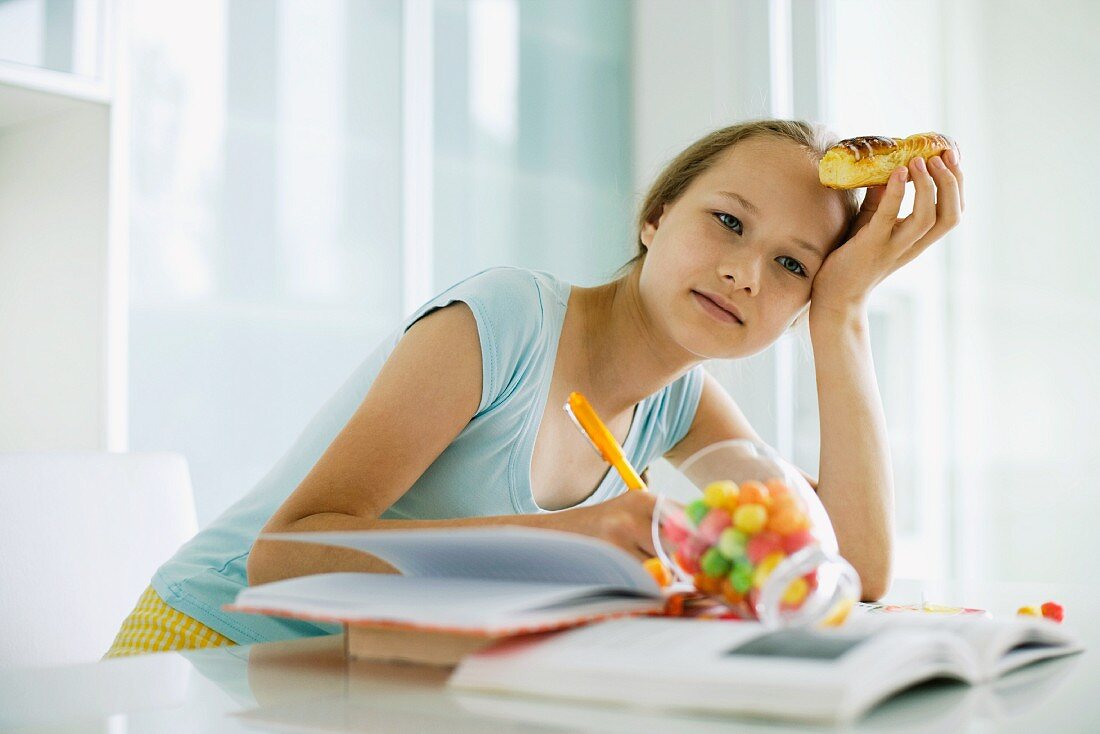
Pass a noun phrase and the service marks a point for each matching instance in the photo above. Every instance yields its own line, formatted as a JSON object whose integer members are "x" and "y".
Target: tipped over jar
{"x": 755, "y": 537}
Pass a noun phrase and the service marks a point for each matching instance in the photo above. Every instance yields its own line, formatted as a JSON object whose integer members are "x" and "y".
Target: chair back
{"x": 81, "y": 534}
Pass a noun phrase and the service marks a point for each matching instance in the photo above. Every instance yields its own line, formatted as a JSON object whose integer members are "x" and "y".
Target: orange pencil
{"x": 584, "y": 417}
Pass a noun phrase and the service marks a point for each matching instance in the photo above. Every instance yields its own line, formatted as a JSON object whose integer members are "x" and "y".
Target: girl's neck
{"x": 623, "y": 357}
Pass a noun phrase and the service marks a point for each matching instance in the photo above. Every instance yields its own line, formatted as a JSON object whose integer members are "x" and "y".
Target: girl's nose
{"x": 743, "y": 272}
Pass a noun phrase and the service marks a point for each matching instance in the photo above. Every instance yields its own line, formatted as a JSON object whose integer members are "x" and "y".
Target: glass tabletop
{"x": 309, "y": 685}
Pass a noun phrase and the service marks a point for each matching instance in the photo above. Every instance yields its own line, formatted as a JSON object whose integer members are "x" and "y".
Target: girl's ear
{"x": 650, "y": 228}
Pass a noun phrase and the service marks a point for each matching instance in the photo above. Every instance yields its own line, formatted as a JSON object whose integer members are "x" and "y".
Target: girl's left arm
{"x": 855, "y": 481}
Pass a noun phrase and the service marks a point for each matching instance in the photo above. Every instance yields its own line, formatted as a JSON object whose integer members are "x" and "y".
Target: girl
{"x": 456, "y": 419}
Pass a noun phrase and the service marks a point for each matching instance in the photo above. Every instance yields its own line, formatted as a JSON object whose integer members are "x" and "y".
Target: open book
{"x": 815, "y": 675}
{"x": 475, "y": 584}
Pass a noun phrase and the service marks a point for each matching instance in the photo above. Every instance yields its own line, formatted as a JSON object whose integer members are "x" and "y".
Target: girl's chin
{"x": 711, "y": 346}
{"x": 706, "y": 342}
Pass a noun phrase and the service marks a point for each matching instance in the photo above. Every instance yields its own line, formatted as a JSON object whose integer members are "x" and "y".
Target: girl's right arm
{"x": 425, "y": 394}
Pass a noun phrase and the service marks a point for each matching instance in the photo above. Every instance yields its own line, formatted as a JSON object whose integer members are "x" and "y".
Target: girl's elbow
{"x": 254, "y": 566}
{"x": 874, "y": 583}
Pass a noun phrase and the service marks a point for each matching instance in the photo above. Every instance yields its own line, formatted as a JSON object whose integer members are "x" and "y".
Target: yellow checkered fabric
{"x": 154, "y": 626}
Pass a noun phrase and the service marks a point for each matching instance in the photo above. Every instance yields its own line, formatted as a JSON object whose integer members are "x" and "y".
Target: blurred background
{"x": 211, "y": 210}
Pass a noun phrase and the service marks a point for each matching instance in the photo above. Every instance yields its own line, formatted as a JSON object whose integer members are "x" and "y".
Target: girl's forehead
{"x": 762, "y": 161}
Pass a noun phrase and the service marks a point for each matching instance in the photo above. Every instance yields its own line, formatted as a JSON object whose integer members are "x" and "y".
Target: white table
{"x": 307, "y": 685}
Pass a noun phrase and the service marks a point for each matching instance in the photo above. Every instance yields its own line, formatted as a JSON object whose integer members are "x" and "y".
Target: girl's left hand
{"x": 882, "y": 243}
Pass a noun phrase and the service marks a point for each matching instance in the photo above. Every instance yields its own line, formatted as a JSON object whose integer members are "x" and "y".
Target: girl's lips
{"x": 716, "y": 311}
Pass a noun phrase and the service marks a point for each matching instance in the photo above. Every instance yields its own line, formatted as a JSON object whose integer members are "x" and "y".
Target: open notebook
{"x": 823, "y": 675}
{"x": 489, "y": 582}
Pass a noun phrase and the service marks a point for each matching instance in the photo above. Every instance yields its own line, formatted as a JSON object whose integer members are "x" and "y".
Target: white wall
{"x": 53, "y": 230}
{"x": 1022, "y": 96}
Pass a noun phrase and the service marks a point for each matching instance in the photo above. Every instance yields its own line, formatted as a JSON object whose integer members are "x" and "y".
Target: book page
{"x": 999, "y": 645}
{"x": 738, "y": 667}
{"x": 506, "y": 553}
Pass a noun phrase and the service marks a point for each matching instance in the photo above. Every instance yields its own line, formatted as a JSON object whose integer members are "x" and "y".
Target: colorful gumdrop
{"x": 1053, "y": 611}
{"x": 796, "y": 541}
{"x": 750, "y": 518}
{"x": 658, "y": 571}
{"x": 754, "y": 493}
{"x": 696, "y": 511}
{"x": 717, "y": 520}
{"x": 762, "y": 544}
{"x": 732, "y": 543}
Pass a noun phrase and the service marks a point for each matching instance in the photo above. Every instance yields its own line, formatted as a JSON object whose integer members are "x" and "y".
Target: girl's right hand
{"x": 624, "y": 521}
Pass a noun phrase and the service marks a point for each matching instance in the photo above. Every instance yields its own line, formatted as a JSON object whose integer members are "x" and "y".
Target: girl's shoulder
{"x": 519, "y": 313}
{"x": 510, "y": 298}
{"x": 515, "y": 286}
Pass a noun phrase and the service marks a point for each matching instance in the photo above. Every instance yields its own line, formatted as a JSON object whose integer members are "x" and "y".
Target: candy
{"x": 1050, "y": 610}
{"x": 1053, "y": 611}
{"x": 696, "y": 511}
{"x": 754, "y": 493}
{"x": 761, "y": 544}
{"x": 750, "y": 518}
{"x": 777, "y": 488}
{"x": 838, "y": 613}
{"x": 658, "y": 571}
{"x": 796, "y": 541}
{"x": 730, "y": 593}
{"x": 781, "y": 503}
{"x": 717, "y": 520}
{"x": 684, "y": 560}
{"x": 796, "y": 592}
{"x": 786, "y": 520}
{"x": 707, "y": 584}
{"x": 714, "y": 564}
{"x": 731, "y": 543}
{"x": 731, "y": 540}
{"x": 741, "y": 576}
{"x": 675, "y": 527}
{"x": 765, "y": 568}
{"x": 718, "y": 494}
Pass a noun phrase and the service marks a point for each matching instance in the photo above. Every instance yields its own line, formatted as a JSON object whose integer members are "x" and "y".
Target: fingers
{"x": 872, "y": 199}
{"x": 923, "y": 216}
{"x": 889, "y": 203}
{"x": 948, "y": 194}
{"x": 948, "y": 209}
{"x": 867, "y": 208}
{"x": 951, "y": 158}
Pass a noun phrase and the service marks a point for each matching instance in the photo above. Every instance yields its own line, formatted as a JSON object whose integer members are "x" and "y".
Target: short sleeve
{"x": 507, "y": 305}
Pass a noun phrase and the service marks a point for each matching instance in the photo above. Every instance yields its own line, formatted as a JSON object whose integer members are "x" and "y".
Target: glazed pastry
{"x": 869, "y": 160}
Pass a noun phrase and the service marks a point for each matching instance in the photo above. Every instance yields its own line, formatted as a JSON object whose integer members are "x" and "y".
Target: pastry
{"x": 869, "y": 160}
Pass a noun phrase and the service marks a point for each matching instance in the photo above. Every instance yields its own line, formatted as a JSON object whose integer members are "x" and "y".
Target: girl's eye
{"x": 733, "y": 223}
{"x": 730, "y": 221}
{"x": 799, "y": 270}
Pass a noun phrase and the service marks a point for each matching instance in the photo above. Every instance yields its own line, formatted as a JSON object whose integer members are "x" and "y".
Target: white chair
{"x": 81, "y": 533}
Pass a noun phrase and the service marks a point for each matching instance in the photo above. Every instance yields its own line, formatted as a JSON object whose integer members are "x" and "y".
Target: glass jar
{"x": 756, "y": 538}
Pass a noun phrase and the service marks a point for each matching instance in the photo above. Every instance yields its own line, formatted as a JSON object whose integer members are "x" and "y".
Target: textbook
{"x": 806, "y": 674}
{"x": 459, "y": 589}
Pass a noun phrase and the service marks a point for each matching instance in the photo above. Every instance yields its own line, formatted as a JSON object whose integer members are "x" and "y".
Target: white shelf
{"x": 55, "y": 83}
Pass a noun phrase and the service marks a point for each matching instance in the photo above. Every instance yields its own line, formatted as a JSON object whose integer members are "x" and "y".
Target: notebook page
{"x": 453, "y": 602}
{"x": 505, "y": 553}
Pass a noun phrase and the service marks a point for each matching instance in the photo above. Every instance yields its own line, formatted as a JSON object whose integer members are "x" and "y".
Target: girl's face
{"x": 750, "y": 233}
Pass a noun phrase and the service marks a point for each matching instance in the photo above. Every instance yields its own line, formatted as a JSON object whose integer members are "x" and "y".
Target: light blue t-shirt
{"x": 486, "y": 470}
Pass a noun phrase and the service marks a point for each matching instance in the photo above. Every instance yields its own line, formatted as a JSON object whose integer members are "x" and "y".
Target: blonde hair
{"x": 700, "y": 156}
